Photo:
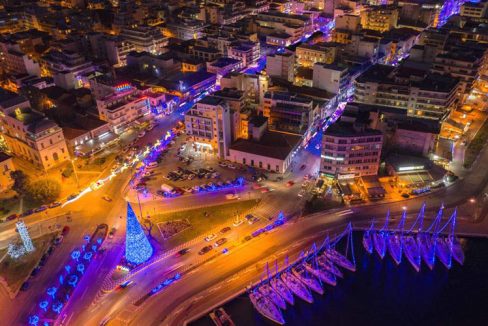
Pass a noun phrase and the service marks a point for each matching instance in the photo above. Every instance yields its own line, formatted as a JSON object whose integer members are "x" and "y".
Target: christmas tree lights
{"x": 137, "y": 246}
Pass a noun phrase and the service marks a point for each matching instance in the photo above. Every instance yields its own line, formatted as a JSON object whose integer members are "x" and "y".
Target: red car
{"x": 12, "y": 217}
{"x": 290, "y": 183}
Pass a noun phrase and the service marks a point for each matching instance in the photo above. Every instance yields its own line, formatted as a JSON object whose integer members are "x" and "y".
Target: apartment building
{"x": 66, "y": 68}
{"x": 380, "y": 18}
{"x": 421, "y": 94}
{"x": 308, "y": 55}
{"x": 121, "y": 109}
{"x": 475, "y": 9}
{"x": 331, "y": 77}
{"x": 145, "y": 38}
{"x": 245, "y": 51}
{"x": 281, "y": 65}
{"x": 208, "y": 123}
{"x": 29, "y": 134}
{"x": 465, "y": 65}
{"x": 289, "y": 112}
{"x": 350, "y": 150}
{"x": 185, "y": 29}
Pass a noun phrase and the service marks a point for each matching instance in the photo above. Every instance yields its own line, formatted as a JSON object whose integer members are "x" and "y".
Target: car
{"x": 225, "y": 230}
{"x": 141, "y": 134}
{"x": 25, "y": 286}
{"x": 182, "y": 252}
{"x": 65, "y": 230}
{"x": 253, "y": 220}
{"x": 210, "y": 237}
{"x": 290, "y": 184}
{"x": 112, "y": 232}
{"x": 232, "y": 196}
{"x": 264, "y": 190}
{"x": 12, "y": 217}
{"x": 303, "y": 167}
{"x": 36, "y": 271}
{"x": 205, "y": 250}
{"x": 107, "y": 198}
{"x": 225, "y": 251}
{"x": 220, "y": 242}
{"x": 55, "y": 204}
{"x": 40, "y": 209}
{"x": 232, "y": 166}
{"x": 72, "y": 196}
{"x": 222, "y": 164}
{"x": 405, "y": 195}
{"x": 256, "y": 186}
{"x": 148, "y": 173}
{"x": 247, "y": 238}
{"x": 125, "y": 284}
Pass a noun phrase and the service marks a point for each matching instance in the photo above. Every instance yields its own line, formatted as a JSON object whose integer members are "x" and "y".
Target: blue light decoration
{"x": 87, "y": 256}
{"x": 80, "y": 268}
{"x": 57, "y": 307}
{"x": 52, "y": 291}
{"x": 75, "y": 255}
{"x": 137, "y": 246}
{"x": 68, "y": 267}
{"x": 73, "y": 279}
{"x": 33, "y": 320}
{"x": 43, "y": 305}
{"x": 61, "y": 279}
{"x": 24, "y": 236}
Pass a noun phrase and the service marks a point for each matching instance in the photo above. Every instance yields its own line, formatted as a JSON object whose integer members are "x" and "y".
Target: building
{"x": 29, "y": 134}
{"x": 380, "y": 18}
{"x": 308, "y": 55}
{"x": 465, "y": 65}
{"x": 289, "y": 113}
{"x": 281, "y": 65}
{"x": 254, "y": 86}
{"x": 247, "y": 52}
{"x": 350, "y": 150}
{"x": 331, "y": 77}
{"x": 421, "y": 94}
{"x": 145, "y": 38}
{"x": 208, "y": 123}
{"x": 415, "y": 137}
{"x": 67, "y": 68}
{"x": 222, "y": 66}
{"x": 474, "y": 9}
{"x": 185, "y": 30}
{"x": 6, "y": 166}
{"x": 123, "y": 108}
{"x": 265, "y": 149}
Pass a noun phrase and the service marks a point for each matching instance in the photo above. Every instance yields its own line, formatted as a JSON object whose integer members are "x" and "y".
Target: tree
{"x": 44, "y": 191}
{"x": 21, "y": 182}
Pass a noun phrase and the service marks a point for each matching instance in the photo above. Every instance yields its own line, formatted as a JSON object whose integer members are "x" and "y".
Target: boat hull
{"x": 266, "y": 308}
{"x": 308, "y": 280}
{"x": 297, "y": 287}
{"x": 412, "y": 252}
{"x": 326, "y": 264}
{"x": 379, "y": 243}
{"x": 457, "y": 250}
{"x": 427, "y": 249}
{"x": 368, "y": 242}
{"x": 280, "y": 288}
{"x": 324, "y": 275}
{"x": 395, "y": 248}
{"x": 340, "y": 260}
{"x": 443, "y": 252}
{"x": 268, "y": 291}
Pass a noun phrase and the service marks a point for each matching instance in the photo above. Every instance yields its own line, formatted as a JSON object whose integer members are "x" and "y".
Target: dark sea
{"x": 381, "y": 293}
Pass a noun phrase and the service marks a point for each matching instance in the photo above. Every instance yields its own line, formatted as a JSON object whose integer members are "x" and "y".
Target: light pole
{"x": 76, "y": 175}
{"x": 473, "y": 203}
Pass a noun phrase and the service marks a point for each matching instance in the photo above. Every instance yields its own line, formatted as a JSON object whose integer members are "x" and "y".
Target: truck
{"x": 167, "y": 188}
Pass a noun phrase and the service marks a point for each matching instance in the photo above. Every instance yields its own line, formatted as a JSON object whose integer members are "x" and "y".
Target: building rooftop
{"x": 347, "y": 129}
{"x": 230, "y": 93}
{"x": 272, "y": 144}
{"x": 9, "y": 99}
{"x": 258, "y": 120}
{"x": 224, "y": 62}
{"x": 211, "y": 100}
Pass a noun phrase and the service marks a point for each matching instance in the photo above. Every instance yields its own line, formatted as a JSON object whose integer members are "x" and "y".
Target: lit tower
{"x": 137, "y": 247}
{"x": 24, "y": 235}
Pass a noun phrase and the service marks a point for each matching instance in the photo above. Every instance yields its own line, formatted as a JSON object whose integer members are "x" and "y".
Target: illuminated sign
{"x": 122, "y": 87}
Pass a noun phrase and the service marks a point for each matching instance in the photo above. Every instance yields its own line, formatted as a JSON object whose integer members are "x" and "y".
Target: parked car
{"x": 141, "y": 134}
{"x": 58, "y": 240}
{"x": 220, "y": 242}
{"x": 205, "y": 250}
{"x": 55, "y": 204}
{"x": 25, "y": 286}
{"x": 225, "y": 230}
{"x": 107, "y": 198}
{"x": 27, "y": 213}
{"x": 290, "y": 184}
{"x": 72, "y": 196}
{"x": 40, "y": 209}
{"x": 12, "y": 217}
{"x": 182, "y": 252}
{"x": 65, "y": 230}
{"x": 210, "y": 237}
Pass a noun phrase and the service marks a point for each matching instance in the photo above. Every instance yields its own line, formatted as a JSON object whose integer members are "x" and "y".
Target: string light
{"x": 137, "y": 247}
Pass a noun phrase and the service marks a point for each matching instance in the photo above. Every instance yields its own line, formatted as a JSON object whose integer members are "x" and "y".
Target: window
{"x": 45, "y": 158}
{"x": 244, "y": 160}
{"x": 50, "y": 141}
{"x": 252, "y": 162}
{"x": 55, "y": 156}
{"x": 277, "y": 168}
{"x": 269, "y": 166}
{"x": 260, "y": 164}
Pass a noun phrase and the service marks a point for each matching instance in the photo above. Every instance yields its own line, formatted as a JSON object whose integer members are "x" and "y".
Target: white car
{"x": 237, "y": 223}
{"x": 210, "y": 237}
{"x": 141, "y": 134}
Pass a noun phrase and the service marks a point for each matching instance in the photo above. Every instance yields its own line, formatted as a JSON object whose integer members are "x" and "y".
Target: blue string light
{"x": 137, "y": 247}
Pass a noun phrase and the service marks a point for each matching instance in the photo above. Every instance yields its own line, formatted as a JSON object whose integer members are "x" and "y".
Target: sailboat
{"x": 296, "y": 286}
{"x": 379, "y": 238}
{"x": 322, "y": 274}
{"x": 395, "y": 240}
{"x": 453, "y": 242}
{"x": 427, "y": 242}
{"x": 307, "y": 278}
{"x": 266, "y": 289}
{"x": 368, "y": 239}
{"x": 266, "y": 307}
{"x": 410, "y": 245}
{"x": 326, "y": 264}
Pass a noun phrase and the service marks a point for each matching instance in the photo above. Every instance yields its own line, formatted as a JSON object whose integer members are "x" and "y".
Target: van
{"x": 152, "y": 165}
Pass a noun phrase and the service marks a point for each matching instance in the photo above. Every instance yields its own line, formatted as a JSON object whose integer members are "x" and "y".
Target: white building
{"x": 208, "y": 123}
{"x": 281, "y": 65}
{"x": 145, "y": 38}
{"x": 330, "y": 77}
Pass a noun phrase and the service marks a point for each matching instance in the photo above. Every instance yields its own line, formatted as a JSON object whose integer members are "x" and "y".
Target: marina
{"x": 438, "y": 242}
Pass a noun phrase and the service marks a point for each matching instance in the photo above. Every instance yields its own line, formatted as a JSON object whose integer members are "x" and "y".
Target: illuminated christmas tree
{"x": 24, "y": 236}
{"x": 137, "y": 247}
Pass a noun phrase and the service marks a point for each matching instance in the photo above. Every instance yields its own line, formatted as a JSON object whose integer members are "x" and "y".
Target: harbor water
{"x": 381, "y": 293}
